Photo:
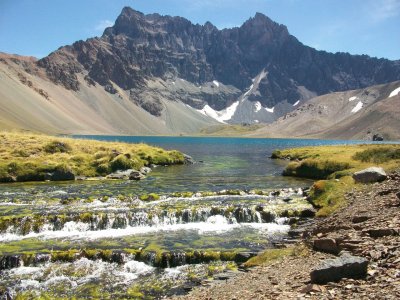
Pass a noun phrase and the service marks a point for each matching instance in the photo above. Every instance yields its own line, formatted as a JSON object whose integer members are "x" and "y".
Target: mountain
{"x": 358, "y": 114}
{"x": 152, "y": 74}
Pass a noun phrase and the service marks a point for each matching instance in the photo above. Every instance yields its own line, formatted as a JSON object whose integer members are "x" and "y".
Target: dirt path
{"x": 368, "y": 227}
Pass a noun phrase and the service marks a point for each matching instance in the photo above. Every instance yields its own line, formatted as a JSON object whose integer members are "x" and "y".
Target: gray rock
{"x": 188, "y": 160}
{"x": 121, "y": 174}
{"x": 145, "y": 170}
{"x": 370, "y": 175}
{"x": 136, "y": 175}
{"x": 346, "y": 266}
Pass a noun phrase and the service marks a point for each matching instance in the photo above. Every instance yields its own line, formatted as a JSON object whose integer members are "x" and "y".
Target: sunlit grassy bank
{"x": 333, "y": 166}
{"x": 29, "y": 157}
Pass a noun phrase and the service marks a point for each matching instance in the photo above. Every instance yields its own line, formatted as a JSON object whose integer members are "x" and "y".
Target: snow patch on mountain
{"x": 395, "y": 92}
{"x": 352, "y": 98}
{"x": 271, "y": 110}
{"x": 357, "y": 107}
{"x": 257, "y": 106}
{"x": 221, "y": 116}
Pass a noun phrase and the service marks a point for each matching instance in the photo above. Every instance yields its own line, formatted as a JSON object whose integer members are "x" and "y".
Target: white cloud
{"x": 103, "y": 24}
{"x": 381, "y": 10}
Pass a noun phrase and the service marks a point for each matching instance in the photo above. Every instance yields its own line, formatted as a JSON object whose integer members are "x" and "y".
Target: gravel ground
{"x": 369, "y": 226}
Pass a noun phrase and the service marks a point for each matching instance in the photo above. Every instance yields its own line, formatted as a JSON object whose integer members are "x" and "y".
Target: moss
{"x": 329, "y": 195}
{"x": 228, "y": 255}
{"x": 149, "y": 197}
{"x": 268, "y": 256}
{"x": 67, "y": 256}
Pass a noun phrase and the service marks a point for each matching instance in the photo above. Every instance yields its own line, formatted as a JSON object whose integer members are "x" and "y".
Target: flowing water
{"x": 89, "y": 238}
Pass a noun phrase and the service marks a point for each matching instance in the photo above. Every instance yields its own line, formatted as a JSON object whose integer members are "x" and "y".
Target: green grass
{"x": 29, "y": 157}
{"x": 333, "y": 166}
{"x": 378, "y": 155}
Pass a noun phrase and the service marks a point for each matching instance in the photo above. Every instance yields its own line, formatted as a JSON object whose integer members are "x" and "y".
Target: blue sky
{"x": 37, "y": 27}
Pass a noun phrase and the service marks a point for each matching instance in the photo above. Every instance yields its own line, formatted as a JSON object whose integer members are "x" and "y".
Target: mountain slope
{"x": 357, "y": 114}
{"x": 152, "y": 74}
{"x": 28, "y": 100}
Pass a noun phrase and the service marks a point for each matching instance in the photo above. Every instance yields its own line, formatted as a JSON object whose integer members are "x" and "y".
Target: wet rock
{"x": 136, "y": 175}
{"x": 244, "y": 256}
{"x": 120, "y": 174}
{"x": 307, "y": 213}
{"x": 188, "y": 160}
{"x": 346, "y": 266}
{"x": 10, "y": 261}
{"x": 370, "y": 175}
{"x": 118, "y": 257}
{"x": 145, "y": 170}
{"x": 326, "y": 245}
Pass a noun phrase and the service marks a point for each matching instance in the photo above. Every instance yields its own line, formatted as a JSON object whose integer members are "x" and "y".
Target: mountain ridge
{"x": 254, "y": 73}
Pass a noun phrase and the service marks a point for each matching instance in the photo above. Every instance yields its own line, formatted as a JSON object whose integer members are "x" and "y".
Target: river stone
{"x": 345, "y": 266}
{"x": 121, "y": 174}
{"x": 145, "y": 170}
{"x": 369, "y": 175}
{"x": 136, "y": 175}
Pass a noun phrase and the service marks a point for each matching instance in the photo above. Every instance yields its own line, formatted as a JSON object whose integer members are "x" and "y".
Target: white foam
{"x": 215, "y": 224}
{"x": 394, "y": 92}
{"x": 352, "y": 98}
{"x": 357, "y": 107}
{"x": 297, "y": 103}
{"x": 216, "y": 83}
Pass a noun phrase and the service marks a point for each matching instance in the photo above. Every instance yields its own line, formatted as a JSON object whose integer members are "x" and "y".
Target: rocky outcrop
{"x": 369, "y": 175}
{"x": 345, "y": 266}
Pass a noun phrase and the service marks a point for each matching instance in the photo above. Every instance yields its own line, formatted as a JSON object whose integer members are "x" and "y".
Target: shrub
{"x": 315, "y": 169}
{"x": 57, "y": 147}
{"x": 121, "y": 162}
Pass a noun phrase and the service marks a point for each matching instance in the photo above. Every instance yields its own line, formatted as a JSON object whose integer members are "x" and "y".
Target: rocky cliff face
{"x": 258, "y": 62}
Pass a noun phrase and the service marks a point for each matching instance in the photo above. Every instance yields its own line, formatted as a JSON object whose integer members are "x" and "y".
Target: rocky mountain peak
{"x": 140, "y": 48}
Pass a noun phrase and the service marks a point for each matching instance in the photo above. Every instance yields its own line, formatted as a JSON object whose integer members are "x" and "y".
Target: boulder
{"x": 377, "y": 137}
{"x": 62, "y": 175}
{"x": 136, "y": 175}
{"x": 370, "y": 175}
{"x": 326, "y": 245}
{"x": 345, "y": 266}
